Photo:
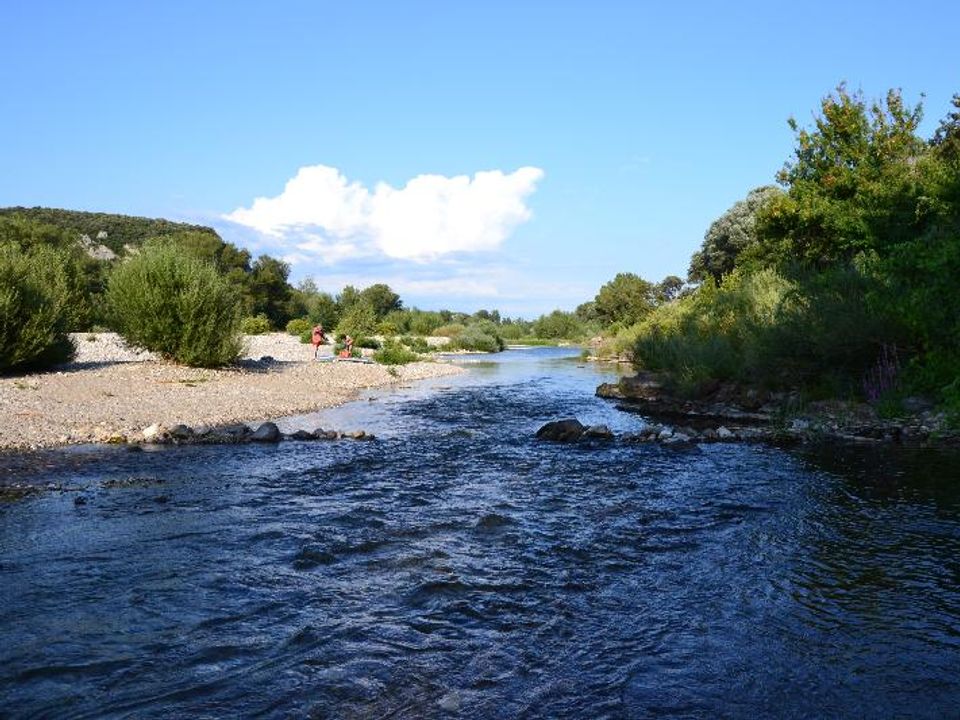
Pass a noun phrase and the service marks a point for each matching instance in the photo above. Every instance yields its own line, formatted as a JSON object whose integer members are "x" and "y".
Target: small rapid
{"x": 458, "y": 567}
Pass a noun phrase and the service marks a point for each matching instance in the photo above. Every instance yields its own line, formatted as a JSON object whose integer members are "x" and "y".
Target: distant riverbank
{"x": 110, "y": 392}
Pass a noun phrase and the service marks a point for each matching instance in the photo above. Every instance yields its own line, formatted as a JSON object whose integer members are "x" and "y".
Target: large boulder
{"x": 569, "y": 430}
{"x": 268, "y": 433}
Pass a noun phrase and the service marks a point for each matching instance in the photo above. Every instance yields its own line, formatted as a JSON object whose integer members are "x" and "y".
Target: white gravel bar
{"x": 111, "y": 392}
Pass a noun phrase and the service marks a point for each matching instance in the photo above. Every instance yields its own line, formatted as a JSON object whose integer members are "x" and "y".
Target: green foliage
{"x": 395, "y": 354}
{"x": 40, "y": 292}
{"x": 516, "y": 330}
{"x": 300, "y": 327}
{"x": 717, "y": 333}
{"x": 558, "y": 325}
{"x": 728, "y": 236}
{"x": 87, "y": 274}
{"x": 358, "y": 320}
{"x": 482, "y": 336}
{"x": 175, "y": 305}
{"x": 370, "y": 343}
{"x": 114, "y": 231}
{"x": 318, "y": 307}
{"x": 451, "y": 331}
{"x": 269, "y": 292}
{"x": 626, "y": 299}
{"x": 851, "y": 188}
{"x": 255, "y": 325}
{"x": 417, "y": 344}
{"x": 381, "y": 299}
{"x": 860, "y": 252}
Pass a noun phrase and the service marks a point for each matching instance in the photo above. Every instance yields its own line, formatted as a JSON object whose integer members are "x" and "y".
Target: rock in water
{"x": 268, "y": 432}
{"x": 599, "y": 432}
{"x": 569, "y": 430}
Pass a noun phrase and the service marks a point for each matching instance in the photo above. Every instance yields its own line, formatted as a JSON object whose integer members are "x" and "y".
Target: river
{"x": 458, "y": 567}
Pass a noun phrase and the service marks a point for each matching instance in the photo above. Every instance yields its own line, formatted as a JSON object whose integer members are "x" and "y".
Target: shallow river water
{"x": 457, "y": 567}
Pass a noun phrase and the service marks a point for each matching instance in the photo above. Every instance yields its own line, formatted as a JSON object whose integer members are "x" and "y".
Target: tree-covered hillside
{"x": 111, "y": 230}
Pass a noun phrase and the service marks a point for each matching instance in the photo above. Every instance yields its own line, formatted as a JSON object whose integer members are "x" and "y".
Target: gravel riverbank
{"x": 110, "y": 390}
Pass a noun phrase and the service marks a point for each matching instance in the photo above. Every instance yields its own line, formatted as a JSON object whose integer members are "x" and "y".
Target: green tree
{"x": 558, "y": 325}
{"x": 852, "y": 185}
{"x": 40, "y": 295}
{"x": 270, "y": 293}
{"x": 381, "y": 299}
{"x": 728, "y": 236}
{"x": 668, "y": 289}
{"x": 626, "y": 299}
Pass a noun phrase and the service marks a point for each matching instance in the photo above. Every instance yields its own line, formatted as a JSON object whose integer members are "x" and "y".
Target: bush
{"x": 760, "y": 328}
{"x": 300, "y": 327}
{"x": 255, "y": 325}
{"x": 395, "y": 354}
{"x": 450, "y": 331}
{"x": 358, "y": 321}
{"x": 175, "y": 305}
{"x": 558, "y": 325}
{"x": 39, "y": 297}
{"x": 417, "y": 344}
{"x": 367, "y": 342}
{"x": 480, "y": 337}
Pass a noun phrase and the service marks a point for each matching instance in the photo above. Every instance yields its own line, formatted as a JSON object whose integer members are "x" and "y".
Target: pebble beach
{"x": 111, "y": 392}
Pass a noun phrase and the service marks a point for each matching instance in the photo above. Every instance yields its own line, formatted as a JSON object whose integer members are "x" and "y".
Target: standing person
{"x": 348, "y": 345}
{"x": 317, "y": 339}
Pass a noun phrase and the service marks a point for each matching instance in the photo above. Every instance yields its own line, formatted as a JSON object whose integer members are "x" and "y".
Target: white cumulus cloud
{"x": 321, "y": 213}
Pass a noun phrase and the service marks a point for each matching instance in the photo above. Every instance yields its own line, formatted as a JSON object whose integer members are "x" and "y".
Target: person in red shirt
{"x": 317, "y": 338}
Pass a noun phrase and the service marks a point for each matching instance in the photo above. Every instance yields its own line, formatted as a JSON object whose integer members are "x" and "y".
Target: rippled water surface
{"x": 457, "y": 567}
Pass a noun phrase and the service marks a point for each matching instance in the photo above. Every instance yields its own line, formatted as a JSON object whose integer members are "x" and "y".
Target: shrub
{"x": 358, "y": 321}
{"x": 255, "y": 325}
{"x": 39, "y": 296}
{"x": 761, "y": 328}
{"x": 175, "y": 305}
{"x": 300, "y": 327}
{"x": 558, "y": 325}
{"x": 450, "y": 331}
{"x": 481, "y": 337}
{"x": 417, "y": 344}
{"x": 395, "y": 354}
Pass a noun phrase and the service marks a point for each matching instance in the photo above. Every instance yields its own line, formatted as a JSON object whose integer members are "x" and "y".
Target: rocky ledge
{"x": 752, "y": 414}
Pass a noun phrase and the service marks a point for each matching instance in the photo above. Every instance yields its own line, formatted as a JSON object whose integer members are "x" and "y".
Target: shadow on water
{"x": 456, "y": 566}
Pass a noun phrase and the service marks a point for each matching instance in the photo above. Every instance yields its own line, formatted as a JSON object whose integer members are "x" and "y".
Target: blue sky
{"x": 514, "y": 155}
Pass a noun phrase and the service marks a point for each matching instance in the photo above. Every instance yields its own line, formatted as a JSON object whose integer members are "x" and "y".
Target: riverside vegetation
{"x": 179, "y": 290}
{"x": 839, "y": 283}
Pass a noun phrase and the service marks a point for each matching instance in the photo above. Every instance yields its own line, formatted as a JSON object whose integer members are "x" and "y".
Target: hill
{"x": 112, "y": 230}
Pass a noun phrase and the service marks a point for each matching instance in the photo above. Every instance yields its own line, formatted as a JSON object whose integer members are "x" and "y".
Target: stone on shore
{"x": 156, "y": 434}
{"x": 268, "y": 432}
{"x": 301, "y": 435}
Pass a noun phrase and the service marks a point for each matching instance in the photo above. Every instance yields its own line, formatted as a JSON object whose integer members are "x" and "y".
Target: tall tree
{"x": 729, "y": 235}
{"x": 851, "y": 187}
{"x": 626, "y": 299}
